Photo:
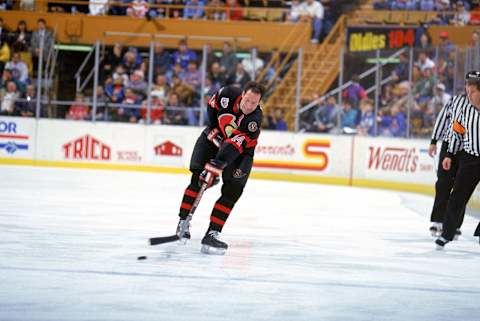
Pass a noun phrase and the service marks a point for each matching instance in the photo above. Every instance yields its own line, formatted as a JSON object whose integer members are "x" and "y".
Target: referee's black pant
{"x": 466, "y": 179}
{"x": 443, "y": 187}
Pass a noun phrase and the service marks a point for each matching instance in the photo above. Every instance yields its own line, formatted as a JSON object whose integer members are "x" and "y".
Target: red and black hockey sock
{"x": 188, "y": 199}
{"x": 220, "y": 213}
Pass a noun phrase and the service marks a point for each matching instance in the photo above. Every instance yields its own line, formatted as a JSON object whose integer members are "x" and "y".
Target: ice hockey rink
{"x": 70, "y": 239}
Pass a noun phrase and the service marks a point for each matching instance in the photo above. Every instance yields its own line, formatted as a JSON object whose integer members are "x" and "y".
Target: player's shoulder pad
{"x": 253, "y": 121}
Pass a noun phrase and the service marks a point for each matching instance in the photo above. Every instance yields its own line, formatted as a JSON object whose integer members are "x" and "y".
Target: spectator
{"x": 114, "y": 58}
{"x": 427, "y": 5}
{"x": 4, "y": 32}
{"x": 276, "y": 120}
{"x": 215, "y": 10}
{"x": 239, "y": 78}
{"x": 162, "y": 60}
{"x": 28, "y": 105}
{"x": 216, "y": 75}
{"x": 398, "y": 124}
{"x": 184, "y": 55}
{"x": 156, "y": 113}
{"x": 79, "y": 110}
{"x": 115, "y": 90}
{"x": 444, "y": 16}
{"x": 21, "y": 38}
{"x": 18, "y": 67}
{"x": 175, "y": 113}
{"x": 296, "y": 11}
{"x": 194, "y": 9}
{"x": 161, "y": 88}
{"x": 129, "y": 111}
{"x": 131, "y": 60}
{"x": 98, "y": 7}
{"x": 138, "y": 84}
{"x": 424, "y": 61}
{"x": 445, "y": 46}
{"x": 102, "y": 105}
{"x": 184, "y": 92}
{"x": 253, "y": 66}
{"x": 381, "y": 5}
{"x": 423, "y": 89}
{"x": 326, "y": 116}
{"x": 440, "y": 97}
{"x": 120, "y": 73}
{"x": 462, "y": 16}
{"x": 137, "y": 8}
{"x": 8, "y": 98}
{"x": 39, "y": 36}
{"x": 229, "y": 60}
{"x": 354, "y": 92}
{"x": 401, "y": 71}
{"x": 314, "y": 11}
{"x": 233, "y": 11}
{"x": 367, "y": 121}
{"x": 348, "y": 117}
{"x": 4, "y": 54}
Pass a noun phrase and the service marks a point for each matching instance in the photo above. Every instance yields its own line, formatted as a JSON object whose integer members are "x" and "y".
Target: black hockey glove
{"x": 215, "y": 137}
{"x": 211, "y": 173}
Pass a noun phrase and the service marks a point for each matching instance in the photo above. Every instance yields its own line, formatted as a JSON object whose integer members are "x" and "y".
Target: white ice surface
{"x": 69, "y": 240}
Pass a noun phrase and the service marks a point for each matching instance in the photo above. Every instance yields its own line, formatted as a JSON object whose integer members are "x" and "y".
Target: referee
{"x": 445, "y": 178}
{"x": 465, "y": 131}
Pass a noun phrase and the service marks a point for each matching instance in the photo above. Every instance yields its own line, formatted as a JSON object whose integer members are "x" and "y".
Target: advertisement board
{"x": 17, "y": 137}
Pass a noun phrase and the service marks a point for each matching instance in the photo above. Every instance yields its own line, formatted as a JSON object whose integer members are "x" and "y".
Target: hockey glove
{"x": 211, "y": 173}
{"x": 215, "y": 137}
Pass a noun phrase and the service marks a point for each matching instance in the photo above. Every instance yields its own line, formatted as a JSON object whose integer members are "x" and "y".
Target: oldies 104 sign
{"x": 373, "y": 38}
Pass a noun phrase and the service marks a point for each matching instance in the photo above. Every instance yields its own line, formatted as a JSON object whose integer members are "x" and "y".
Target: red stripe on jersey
{"x": 213, "y": 102}
{"x": 191, "y": 193}
{"x": 231, "y": 142}
{"x": 186, "y": 206}
{"x": 216, "y": 220}
{"x": 222, "y": 208}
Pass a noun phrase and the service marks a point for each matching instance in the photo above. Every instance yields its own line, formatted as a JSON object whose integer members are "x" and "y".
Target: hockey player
{"x": 225, "y": 148}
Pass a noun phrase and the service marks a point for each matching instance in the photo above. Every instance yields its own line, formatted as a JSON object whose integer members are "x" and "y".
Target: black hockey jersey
{"x": 240, "y": 131}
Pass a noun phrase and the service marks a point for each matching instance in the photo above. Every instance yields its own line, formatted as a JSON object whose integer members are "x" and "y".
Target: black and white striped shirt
{"x": 442, "y": 127}
{"x": 465, "y": 118}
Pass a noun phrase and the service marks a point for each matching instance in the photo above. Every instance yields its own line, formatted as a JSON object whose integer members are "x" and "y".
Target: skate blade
{"x": 206, "y": 249}
{"x": 439, "y": 247}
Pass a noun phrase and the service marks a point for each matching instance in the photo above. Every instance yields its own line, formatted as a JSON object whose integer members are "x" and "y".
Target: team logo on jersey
{"x": 252, "y": 126}
{"x": 238, "y": 173}
{"x": 224, "y": 102}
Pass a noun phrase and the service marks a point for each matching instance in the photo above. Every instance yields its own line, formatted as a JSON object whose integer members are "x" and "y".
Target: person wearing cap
{"x": 464, "y": 144}
{"x": 445, "y": 45}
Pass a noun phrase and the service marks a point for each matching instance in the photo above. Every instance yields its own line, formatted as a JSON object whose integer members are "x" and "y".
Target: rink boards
{"x": 346, "y": 160}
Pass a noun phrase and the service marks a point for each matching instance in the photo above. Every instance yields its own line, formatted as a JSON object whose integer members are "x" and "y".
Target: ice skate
{"x": 212, "y": 245}
{"x": 440, "y": 242}
{"x": 436, "y": 229}
{"x": 458, "y": 233}
{"x": 183, "y": 229}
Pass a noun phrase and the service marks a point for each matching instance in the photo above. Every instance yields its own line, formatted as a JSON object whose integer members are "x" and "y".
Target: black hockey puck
{"x": 143, "y": 257}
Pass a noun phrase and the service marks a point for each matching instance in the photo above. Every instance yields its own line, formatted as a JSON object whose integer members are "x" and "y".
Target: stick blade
{"x": 163, "y": 239}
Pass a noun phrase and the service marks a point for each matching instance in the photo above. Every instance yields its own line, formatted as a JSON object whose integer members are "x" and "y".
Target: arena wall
{"x": 385, "y": 163}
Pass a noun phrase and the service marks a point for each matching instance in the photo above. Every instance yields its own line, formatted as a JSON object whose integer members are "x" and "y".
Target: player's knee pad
{"x": 195, "y": 179}
{"x": 232, "y": 191}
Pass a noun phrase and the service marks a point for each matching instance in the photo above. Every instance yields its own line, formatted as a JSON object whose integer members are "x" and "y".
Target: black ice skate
{"x": 441, "y": 242}
{"x": 183, "y": 229}
{"x": 212, "y": 245}
{"x": 458, "y": 233}
{"x": 436, "y": 229}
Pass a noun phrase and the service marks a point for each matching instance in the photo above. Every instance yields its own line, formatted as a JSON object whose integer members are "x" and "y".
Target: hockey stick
{"x": 173, "y": 238}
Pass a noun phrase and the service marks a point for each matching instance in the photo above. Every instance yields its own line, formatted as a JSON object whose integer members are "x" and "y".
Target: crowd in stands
{"x": 458, "y": 13}
{"x": 404, "y": 103}
{"x": 19, "y": 55}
